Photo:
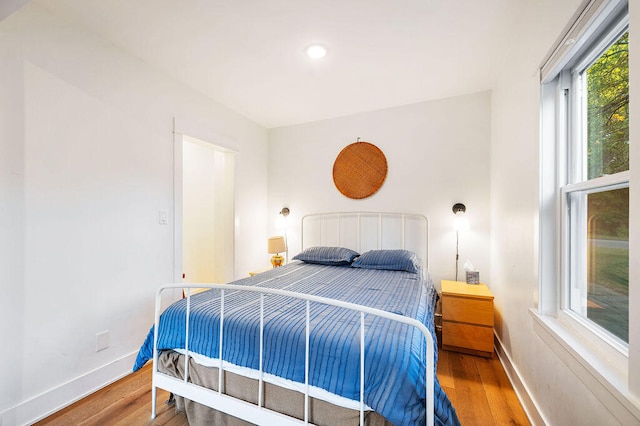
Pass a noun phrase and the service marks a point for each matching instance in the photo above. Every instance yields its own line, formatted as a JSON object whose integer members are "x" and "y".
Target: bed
{"x": 343, "y": 334}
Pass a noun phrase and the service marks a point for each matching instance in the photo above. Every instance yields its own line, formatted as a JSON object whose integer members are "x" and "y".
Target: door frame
{"x": 178, "y": 198}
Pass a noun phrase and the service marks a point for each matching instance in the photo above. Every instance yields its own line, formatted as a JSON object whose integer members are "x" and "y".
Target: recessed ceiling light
{"x": 316, "y": 51}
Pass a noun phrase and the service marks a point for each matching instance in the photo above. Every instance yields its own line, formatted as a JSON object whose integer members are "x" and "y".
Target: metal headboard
{"x": 362, "y": 231}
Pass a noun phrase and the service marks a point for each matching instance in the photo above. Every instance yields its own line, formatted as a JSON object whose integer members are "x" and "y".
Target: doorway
{"x": 206, "y": 208}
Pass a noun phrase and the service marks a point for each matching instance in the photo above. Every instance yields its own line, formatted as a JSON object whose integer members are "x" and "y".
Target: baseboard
{"x": 528, "y": 403}
{"x": 53, "y": 400}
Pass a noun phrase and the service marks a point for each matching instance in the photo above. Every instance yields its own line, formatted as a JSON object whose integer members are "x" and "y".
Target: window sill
{"x": 605, "y": 378}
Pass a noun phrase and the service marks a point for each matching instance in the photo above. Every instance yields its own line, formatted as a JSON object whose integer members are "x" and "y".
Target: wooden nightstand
{"x": 467, "y": 318}
{"x": 259, "y": 271}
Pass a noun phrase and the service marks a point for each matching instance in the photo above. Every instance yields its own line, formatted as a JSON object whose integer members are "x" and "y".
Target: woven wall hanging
{"x": 359, "y": 170}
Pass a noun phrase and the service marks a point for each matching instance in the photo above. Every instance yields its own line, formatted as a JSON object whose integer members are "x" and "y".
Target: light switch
{"x": 164, "y": 217}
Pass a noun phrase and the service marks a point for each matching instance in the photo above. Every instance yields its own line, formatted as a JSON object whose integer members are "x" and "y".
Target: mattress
{"x": 394, "y": 356}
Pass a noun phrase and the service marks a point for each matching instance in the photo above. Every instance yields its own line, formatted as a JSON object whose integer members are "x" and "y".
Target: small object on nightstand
{"x": 276, "y": 246}
{"x": 467, "y": 318}
{"x": 473, "y": 277}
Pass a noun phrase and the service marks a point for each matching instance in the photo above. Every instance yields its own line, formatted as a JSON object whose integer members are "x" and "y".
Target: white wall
{"x": 86, "y": 164}
{"x": 437, "y": 154}
{"x": 560, "y": 395}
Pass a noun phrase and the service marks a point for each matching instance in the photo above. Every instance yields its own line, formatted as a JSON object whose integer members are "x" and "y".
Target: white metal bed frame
{"x": 257, "y": 413}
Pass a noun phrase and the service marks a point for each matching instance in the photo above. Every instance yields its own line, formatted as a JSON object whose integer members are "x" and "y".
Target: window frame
{"x": 573, "y": 269}
{"x": 562, "y": 129}
{"x": 574, "y": 252}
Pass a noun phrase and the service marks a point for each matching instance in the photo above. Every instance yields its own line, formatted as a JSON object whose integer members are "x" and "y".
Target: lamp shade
{"x": 277, "y": 245}
{"x": 460, "y": 223}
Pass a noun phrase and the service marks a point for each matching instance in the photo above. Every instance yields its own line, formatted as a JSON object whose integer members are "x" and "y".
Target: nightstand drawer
{"x": 467, "y": 336}
{"x": 462, "y": 309}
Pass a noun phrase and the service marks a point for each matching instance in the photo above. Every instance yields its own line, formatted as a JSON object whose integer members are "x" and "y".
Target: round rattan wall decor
{"x": 359, "y": 170}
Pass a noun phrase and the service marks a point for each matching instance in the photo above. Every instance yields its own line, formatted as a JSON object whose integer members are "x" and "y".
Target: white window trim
{"x": 603, "y": 376}
{"x": 597, "y": 359}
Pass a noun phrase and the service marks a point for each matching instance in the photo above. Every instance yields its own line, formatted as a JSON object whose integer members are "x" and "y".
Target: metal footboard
{"x": 257, "y": 413}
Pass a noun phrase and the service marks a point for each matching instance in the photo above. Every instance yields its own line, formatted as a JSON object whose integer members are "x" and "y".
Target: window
{"x": 596, "y": 194}
{"x": 585, "y": 181}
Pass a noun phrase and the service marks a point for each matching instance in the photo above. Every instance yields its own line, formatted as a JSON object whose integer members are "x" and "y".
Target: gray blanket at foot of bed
{"x": 282, "y": 400}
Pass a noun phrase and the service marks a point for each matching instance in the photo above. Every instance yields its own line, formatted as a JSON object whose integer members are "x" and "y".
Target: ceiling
{"x": 250, "y": 54}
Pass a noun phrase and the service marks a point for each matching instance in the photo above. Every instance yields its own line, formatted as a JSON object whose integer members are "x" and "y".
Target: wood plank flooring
{"x": 478, "y": 388}
{"x": 125, "y": 402}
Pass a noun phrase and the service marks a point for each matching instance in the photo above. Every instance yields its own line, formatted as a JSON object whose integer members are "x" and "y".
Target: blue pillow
{"x": 334, "y": 256}
{"x": 393, "y": 260}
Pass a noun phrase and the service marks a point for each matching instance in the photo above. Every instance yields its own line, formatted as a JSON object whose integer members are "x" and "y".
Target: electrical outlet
{"x": 102, "y": 341}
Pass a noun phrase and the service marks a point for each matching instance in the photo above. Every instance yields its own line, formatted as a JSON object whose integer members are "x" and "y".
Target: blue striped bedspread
{"x": 394, "y": 355}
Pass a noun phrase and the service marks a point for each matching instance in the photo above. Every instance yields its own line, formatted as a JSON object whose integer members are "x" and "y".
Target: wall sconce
{"x": 460, "y": 223}
{"x": 276, "y": 246}
{"x": 285, "y": 212}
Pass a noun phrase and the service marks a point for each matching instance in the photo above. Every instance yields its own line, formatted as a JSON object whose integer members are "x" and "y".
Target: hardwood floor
{"x": 125, "y": 402}
{"x": 477, "y": 387}
{"x": 479, "y": 390}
